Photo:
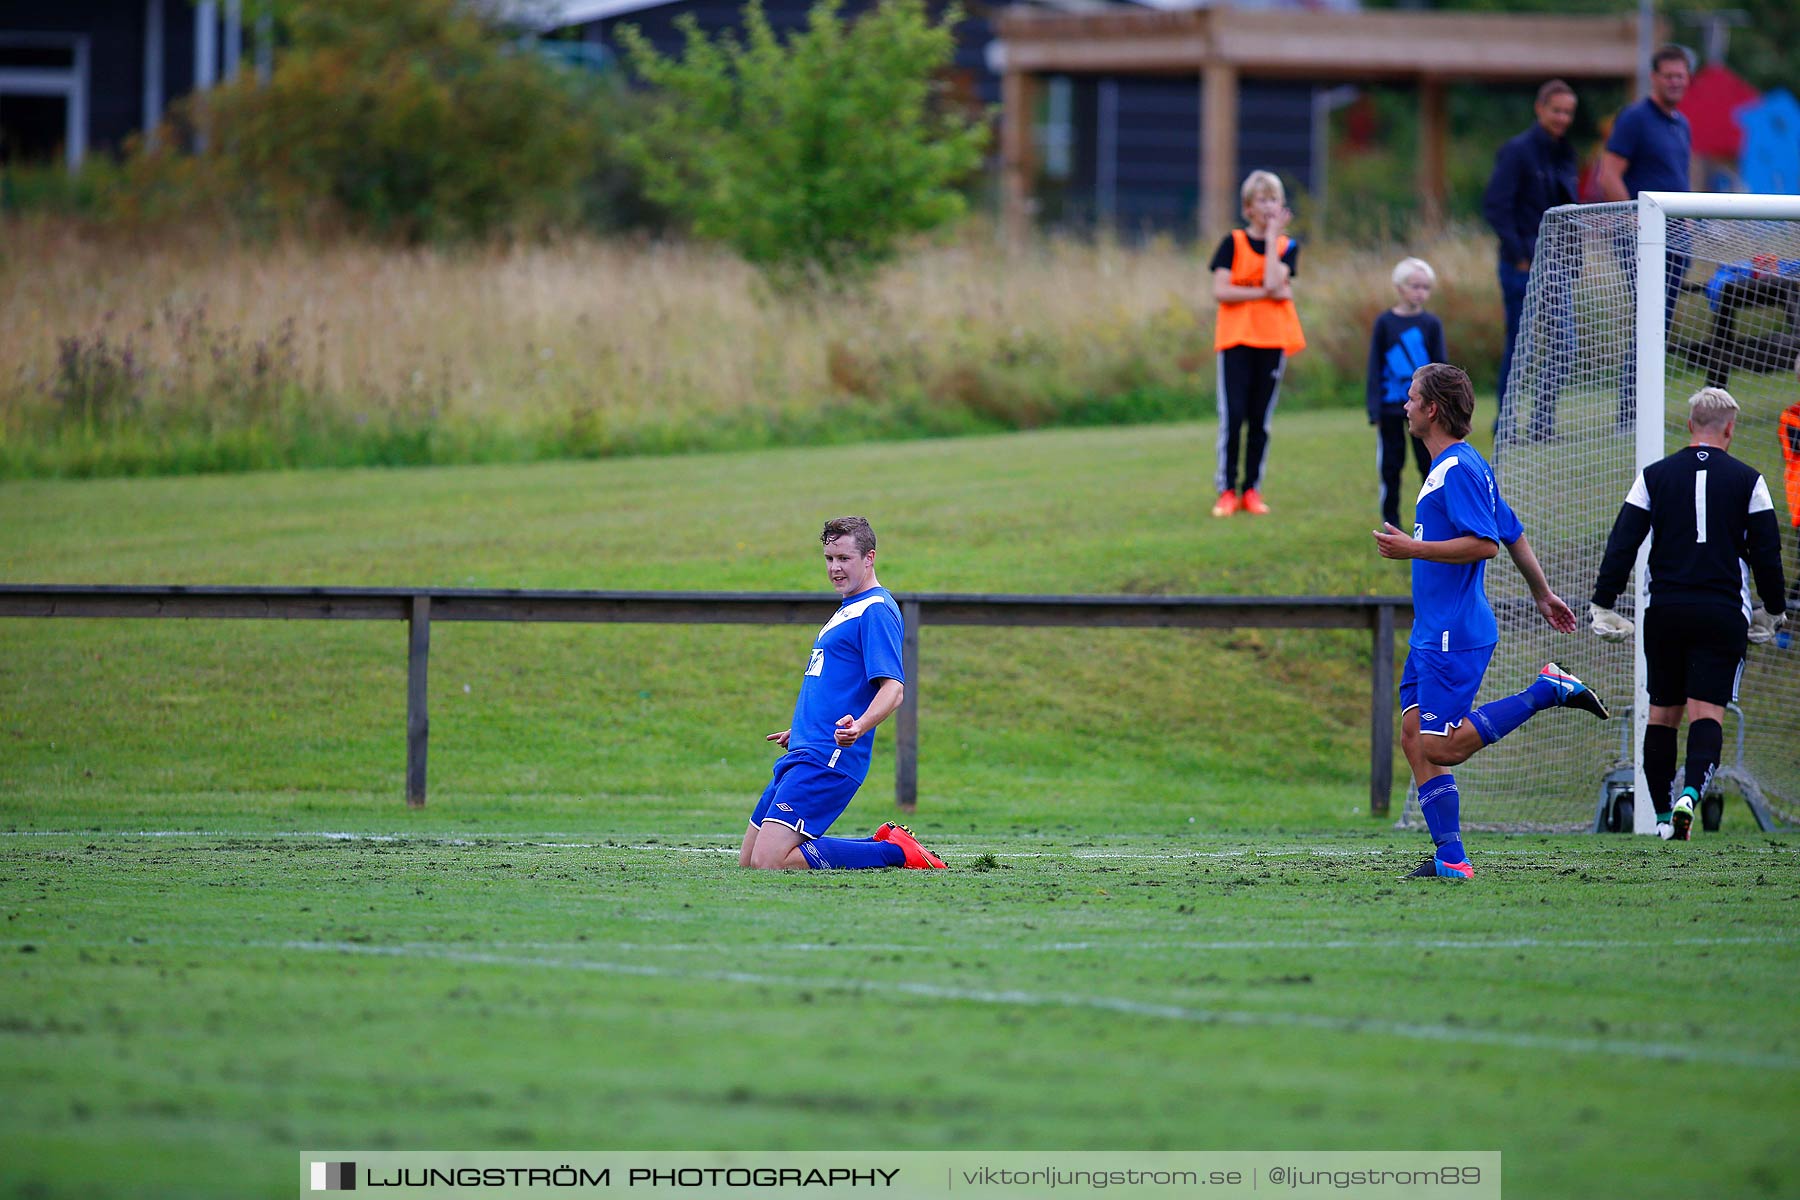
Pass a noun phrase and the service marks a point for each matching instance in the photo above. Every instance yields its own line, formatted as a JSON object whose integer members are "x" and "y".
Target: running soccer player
{"x": 1461, "y": 521}
{"x": 1707, "y": 516}
{"x": 853, "y": 682}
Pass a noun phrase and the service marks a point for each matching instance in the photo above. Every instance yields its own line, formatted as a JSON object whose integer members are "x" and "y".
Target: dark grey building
{"x": 78, "y": 76}
{"x": 1120, "y": 150}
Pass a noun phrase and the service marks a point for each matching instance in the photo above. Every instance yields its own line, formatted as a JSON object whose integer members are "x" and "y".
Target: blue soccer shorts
{"x": 804, "y": 794}
{"x": 1442, "y": 684}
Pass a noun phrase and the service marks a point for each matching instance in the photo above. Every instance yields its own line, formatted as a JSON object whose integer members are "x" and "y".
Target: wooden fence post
{"x": 906, "y": 721}
{"x": 1381, "y": 713}
{"x": 418, "y": 723}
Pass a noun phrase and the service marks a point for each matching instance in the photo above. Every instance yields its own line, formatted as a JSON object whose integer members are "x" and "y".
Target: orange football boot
{"x": 918, "y": 858}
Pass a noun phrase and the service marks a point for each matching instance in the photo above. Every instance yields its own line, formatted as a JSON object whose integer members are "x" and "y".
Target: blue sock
{"x": 851, "y": 854}
{"x": 1545, "y": 693}
{"x": 1442, "y": 805}
{"x": 1497, "y": 718}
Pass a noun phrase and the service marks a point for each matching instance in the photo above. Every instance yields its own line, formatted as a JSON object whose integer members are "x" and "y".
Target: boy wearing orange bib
{"x": 1256, "y": 329}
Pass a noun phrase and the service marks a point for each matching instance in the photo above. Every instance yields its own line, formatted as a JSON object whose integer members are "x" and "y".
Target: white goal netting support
{"x": 1631, "y": 309}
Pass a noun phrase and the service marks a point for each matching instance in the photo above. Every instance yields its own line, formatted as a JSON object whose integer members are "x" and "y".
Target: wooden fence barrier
{"x": 419, "y": 607}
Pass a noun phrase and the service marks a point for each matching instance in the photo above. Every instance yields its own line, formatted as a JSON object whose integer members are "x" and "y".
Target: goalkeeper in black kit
{"x": 1708, "y": 515}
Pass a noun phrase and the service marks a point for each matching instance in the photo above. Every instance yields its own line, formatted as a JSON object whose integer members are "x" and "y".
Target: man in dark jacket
{"x": 1533, "y": 172}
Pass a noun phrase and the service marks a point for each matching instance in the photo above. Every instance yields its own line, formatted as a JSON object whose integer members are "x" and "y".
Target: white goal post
{"x": 1655, "y": 211}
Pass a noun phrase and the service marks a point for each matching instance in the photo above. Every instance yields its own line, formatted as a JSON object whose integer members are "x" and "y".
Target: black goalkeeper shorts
{"x": 1694, "y": 652}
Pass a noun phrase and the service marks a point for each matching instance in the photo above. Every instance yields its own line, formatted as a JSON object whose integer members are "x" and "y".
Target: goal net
{"x": 1607, "y": 355}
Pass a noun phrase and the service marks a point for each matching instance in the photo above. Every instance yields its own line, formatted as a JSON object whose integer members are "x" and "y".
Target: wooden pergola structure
{"x": 1429, "y": 50}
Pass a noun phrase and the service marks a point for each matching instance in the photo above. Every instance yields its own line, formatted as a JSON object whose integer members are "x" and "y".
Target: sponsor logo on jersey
{"x": 1435, "y": 480}
{"x": 816, "y": 664}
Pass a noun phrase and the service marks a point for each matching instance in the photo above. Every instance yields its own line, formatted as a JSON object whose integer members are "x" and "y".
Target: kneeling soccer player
{"x": 1461, "y": 521}
{"x": 854, "y": 668}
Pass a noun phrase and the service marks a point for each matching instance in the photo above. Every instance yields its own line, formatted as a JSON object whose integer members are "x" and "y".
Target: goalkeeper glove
{"x": 1763, "y": 625}
{"x": 1608, "y": 625}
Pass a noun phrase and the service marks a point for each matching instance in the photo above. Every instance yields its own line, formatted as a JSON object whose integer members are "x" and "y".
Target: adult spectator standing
{"x": 1651, "y": 144}
{"x": 1533, "y": 172}
{"x": 1707, "y": 516}
{"x": 1650, "y": 150}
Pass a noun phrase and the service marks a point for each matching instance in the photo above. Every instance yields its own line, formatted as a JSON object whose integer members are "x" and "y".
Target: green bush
{"x": 414, "y": 119}
{"x": 813, "y": 159}
{"x": 52, "y": 189}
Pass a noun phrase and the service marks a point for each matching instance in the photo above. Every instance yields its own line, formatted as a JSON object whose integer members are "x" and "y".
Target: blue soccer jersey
{"x": 1459, "y": 499}
{"x": 858, "y": 647}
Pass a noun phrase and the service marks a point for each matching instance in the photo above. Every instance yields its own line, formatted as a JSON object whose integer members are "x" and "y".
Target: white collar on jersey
{"x": 851, "y": 611}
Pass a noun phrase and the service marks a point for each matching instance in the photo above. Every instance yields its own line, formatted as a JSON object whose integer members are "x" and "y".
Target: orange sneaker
{"x": 1253, "y": 503}
{"x": 918, "y": 857}
{"x": 1226, "y": 504}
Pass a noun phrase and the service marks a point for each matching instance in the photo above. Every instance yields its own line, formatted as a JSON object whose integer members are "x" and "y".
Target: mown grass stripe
{"x": 1413, "y": 1030}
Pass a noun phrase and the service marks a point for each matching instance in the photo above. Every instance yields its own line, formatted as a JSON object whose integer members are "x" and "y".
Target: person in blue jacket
{"x": 1405, "y": 338}
{"x": 1533, "y": 173}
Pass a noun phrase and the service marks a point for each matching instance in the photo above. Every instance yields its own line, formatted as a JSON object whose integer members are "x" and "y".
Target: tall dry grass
{"x": 293, "y": 351}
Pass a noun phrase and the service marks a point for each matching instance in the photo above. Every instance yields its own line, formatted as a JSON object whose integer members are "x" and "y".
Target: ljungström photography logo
{"x": 334, "y": 1177}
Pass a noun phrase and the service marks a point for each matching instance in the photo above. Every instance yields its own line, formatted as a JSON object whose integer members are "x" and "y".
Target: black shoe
{"x": 1572, "y": 693}
{"x": 1425, "y": 870}
{"x": 1435, "y": 868}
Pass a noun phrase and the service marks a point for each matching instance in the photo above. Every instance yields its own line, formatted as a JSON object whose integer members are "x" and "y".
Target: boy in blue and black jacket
{"x": 1406, "y": 337}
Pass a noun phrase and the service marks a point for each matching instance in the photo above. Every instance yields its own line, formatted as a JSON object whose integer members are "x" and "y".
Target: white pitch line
{"x": 1522, "y": 943}
{"x": 1414, "y": 1030}
{"x": 1525, "y": 943}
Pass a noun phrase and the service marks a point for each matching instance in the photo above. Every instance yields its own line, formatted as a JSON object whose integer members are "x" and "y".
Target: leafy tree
{"x": 1765, "y": 51}
{"x": 416, "y": 119}
{"x": 812, "y": 159}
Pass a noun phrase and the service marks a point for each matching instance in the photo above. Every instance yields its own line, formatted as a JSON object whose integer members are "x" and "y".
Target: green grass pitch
{"x": 1170, "y": 922}
{"x": 183, "y": 1010}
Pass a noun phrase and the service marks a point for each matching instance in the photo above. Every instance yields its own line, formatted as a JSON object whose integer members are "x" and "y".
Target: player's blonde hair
{"x": 1260, "y": 183}
{"x": 1404, "y": 269}
{"x": 1712, "y": 408}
